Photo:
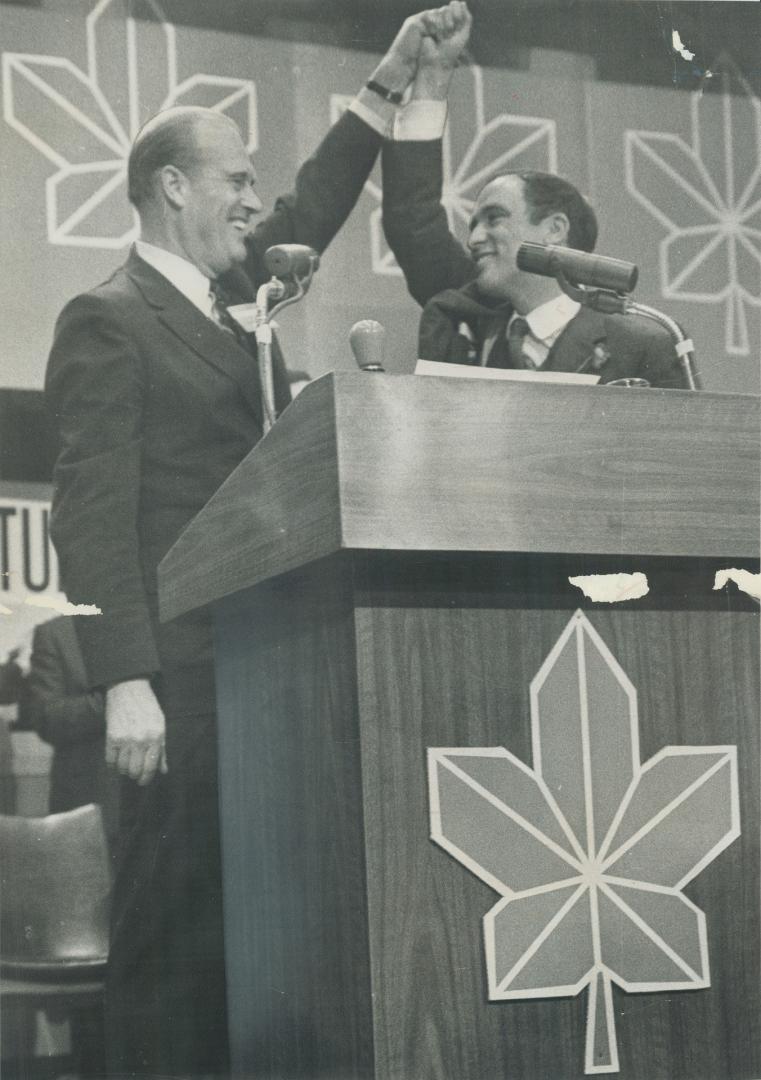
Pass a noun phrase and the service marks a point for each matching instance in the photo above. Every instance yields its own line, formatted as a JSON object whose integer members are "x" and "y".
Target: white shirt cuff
{"x": 420, "y": 120}
{"x": 378, "y": 117}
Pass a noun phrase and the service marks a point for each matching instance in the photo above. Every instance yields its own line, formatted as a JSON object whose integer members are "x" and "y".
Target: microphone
{"x": 579, "y": 267}
{"x": 291, "y": 260}
{"x": 367, "y": 339}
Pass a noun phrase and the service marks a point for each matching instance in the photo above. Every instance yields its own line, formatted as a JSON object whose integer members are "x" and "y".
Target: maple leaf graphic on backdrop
{"x": 590, "y": 849}
{"x": 474, "y": 149}
{"x": 83, "y": 120}
{"x": 707, "y": 195}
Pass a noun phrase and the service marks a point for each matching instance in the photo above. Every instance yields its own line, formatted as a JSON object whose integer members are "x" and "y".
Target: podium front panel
{"x": 357, "y": 944}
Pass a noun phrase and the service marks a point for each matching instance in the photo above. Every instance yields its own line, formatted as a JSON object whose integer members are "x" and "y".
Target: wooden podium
{"x": 389, "y": 571}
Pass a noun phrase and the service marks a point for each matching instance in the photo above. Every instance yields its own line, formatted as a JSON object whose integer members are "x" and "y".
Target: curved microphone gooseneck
{"x": 599, "y": 282}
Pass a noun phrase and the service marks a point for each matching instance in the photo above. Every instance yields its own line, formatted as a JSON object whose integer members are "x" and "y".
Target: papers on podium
{"x": 467, "y": 371}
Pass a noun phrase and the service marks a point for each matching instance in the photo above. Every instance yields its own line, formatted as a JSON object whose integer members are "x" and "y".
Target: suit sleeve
{"x": 415, "y": 222}
{"x": 60, "y": 714}
{"x": 660, "y": 364}
{"x": 95, "y": 387}
{"x": 327, "y": 187}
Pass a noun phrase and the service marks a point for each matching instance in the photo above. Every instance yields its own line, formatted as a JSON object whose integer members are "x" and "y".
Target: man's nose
{"x": 476, "y": 236}
{"x": 251, "y": 200}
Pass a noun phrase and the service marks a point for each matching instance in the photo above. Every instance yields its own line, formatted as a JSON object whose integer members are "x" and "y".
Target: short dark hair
{"x": 547, "y": 194}
{"x": 169, "y": 138}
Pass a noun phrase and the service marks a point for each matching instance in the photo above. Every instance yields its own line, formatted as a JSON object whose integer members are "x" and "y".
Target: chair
{"x": 54, "y": 911}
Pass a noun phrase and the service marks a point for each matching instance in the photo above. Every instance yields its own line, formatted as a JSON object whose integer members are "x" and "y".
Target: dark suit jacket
{"x": 155, "y": 405}
{"x": 56, "y": 703}
{"x": 440, "y": 273}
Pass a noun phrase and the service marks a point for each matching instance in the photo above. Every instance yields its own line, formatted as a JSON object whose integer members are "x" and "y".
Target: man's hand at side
{"x": 135, "y": 730}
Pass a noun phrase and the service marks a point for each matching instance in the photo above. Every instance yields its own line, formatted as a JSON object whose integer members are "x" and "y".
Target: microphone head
{"x": 367, "y": 339}
{"x": 579, "y": 267}
{"x": 289, "y": 260}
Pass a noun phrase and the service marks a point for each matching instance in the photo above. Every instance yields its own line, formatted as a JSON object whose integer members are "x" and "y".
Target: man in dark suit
{"x": 156, "y": 400}
{"x": 11, "y": 679}
{"x": 478, "y": 307}
{"x": 55, "y": 701}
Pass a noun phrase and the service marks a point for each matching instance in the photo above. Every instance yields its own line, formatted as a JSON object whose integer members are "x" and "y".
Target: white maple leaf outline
{"x": 590, "y": 866}
{"x": 109, "y": 130}
{"x": 462, "y": 184}
{"x": 726, "y": 212}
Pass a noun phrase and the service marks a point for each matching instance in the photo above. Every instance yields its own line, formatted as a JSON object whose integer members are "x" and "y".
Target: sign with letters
{"x": 30, "y": 589}
{"x": 28, "y": 561}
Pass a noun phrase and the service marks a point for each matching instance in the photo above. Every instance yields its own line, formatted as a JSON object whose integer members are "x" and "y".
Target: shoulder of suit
{"x": 636, "y": 326}
{"x": 464, "y": 299}
{"x": 117, "y": 291}
{"x": 118, "y": 285}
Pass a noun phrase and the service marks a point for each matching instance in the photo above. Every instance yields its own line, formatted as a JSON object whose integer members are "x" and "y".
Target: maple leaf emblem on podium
{"x": 590, "y": 849}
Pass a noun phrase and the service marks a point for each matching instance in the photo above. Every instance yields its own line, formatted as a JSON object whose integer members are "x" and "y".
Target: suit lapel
{"x": 574, "y": 348}
{"x": 210, "y": 342}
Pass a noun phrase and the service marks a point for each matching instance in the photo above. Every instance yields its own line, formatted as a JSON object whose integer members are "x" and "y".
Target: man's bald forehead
{"x": 171, "y": 137}
{"x": 186, "y": 117}
{"x": 506, "y": 182}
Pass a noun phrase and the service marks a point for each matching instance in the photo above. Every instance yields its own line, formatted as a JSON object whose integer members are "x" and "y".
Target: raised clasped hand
{"x": 437, "y": 35}
{"x": 446, "y": 34}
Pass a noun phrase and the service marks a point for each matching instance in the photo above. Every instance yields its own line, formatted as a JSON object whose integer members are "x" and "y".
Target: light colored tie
{"x": 516, "y": 335}
{"x": 219, "y": 312}
{"x": 507, "y": 350}
{"x": 222, "y": 316}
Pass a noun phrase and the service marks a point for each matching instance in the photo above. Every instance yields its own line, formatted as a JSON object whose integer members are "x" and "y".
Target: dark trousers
{"x": 165, "y": 985}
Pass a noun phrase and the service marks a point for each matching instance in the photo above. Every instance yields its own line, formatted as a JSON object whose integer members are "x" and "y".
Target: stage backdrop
{"x": 676, "y": 175}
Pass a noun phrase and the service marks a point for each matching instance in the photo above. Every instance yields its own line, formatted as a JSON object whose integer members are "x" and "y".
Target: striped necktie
{"x": 507, "y": 350}
{"x": 221, "y": 315}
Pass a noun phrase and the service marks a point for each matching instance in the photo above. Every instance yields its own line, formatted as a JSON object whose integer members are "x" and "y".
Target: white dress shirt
{"x": 183, "y": 274}
{"x": 376, "y": 112}
{"x": 545, "y": 323}
{"x": 420, "y": 120}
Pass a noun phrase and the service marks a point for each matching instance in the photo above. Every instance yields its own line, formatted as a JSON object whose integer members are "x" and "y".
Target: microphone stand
{"x": 612, "y": 303}
{"x": 274, "y": 289}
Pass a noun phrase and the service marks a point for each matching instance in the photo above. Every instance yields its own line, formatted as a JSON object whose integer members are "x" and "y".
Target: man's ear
{"x": 174, "y": 185}
{"x": 556, "y": 228}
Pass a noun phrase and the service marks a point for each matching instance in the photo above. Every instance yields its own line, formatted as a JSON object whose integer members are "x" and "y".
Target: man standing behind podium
{"x": 156, "y": 399}
{"x": 478, "y": 307}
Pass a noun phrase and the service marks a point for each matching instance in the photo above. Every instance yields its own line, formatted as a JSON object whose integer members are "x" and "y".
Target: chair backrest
{"x": 55, "y": 890}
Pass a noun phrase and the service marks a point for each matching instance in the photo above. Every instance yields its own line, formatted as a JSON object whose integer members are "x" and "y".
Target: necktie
{"x": 516, "y": 335}
{"x": 507, "y": 350}
{"x": 222, "y": 316}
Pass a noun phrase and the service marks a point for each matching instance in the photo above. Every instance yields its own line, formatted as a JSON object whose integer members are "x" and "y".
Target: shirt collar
{"x": 547, "y": 320}
{"x": 185, "y": 277}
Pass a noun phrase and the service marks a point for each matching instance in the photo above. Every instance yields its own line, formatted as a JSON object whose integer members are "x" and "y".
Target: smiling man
{"x": 199, "y": 202}
{"x": 156, "y": 400}
{"x": 478, "y": 307}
